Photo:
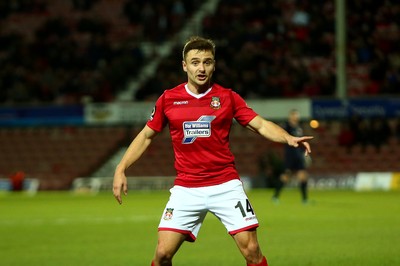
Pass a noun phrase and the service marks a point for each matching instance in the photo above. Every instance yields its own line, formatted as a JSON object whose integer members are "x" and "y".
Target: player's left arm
{"x": 273, "y": 132}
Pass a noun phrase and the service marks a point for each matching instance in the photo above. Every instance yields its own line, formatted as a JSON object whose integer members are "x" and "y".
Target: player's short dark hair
{"x": 198, "y": 43}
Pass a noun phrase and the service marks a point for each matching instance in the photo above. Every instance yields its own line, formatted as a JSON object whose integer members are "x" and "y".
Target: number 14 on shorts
{"x": 249, "y": 208}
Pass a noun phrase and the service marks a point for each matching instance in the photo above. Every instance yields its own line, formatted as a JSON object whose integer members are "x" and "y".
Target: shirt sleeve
{"x": 241, "y": 111}
{"x": 158, "y": 120}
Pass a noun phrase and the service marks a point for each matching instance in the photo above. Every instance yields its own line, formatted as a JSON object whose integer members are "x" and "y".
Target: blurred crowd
{"x": 274, "y": 49}
{"x": 375, "y": 132}
{"x": 74, "y": 51}
{"x": 69, "y": 52}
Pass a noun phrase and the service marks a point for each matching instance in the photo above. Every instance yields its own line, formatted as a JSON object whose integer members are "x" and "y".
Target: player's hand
{"x": 120, "y": 185}
{"x": 296, "y": 141}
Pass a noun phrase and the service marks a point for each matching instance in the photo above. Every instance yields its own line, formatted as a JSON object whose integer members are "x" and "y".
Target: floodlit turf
{"x": 60, "y": 228}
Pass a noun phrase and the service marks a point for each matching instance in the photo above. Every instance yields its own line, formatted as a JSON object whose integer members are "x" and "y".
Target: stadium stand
{"x": 57, "y": 155}
{"x": 75, "y": 51}
{"x": 278, "y": 49}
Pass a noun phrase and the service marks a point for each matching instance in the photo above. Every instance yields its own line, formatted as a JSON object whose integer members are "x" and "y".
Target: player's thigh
{"x": 184, "y": 212}
{"x": 169, "y": 243}
{"x": 233, "y": 208}
{"x": 285, "y": 177}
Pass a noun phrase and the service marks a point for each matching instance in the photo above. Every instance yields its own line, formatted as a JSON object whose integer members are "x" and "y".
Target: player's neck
{"x": 196, "y": 89}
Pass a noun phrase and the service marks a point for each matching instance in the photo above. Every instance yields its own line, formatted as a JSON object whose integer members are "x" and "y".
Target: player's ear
{"x": 184, "y": 66}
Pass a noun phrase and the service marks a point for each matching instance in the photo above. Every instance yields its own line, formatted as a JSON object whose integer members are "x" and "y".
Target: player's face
{"x": 199, "y": 66}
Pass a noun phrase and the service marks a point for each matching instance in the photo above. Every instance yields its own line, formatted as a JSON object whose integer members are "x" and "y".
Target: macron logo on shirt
{"x": 181, "y": 102}
{"x": 197, "y": 129}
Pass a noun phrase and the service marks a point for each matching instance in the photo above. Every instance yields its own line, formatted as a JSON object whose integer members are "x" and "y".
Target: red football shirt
{"x": 199, "y": 127}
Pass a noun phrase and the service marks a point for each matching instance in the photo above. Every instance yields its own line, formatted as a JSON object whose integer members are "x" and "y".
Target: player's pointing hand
{"x": 296, "y": 141}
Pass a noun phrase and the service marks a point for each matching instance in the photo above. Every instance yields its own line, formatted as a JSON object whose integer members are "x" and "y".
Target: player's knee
{"x": 252, "y": 251}
{"x": 163, "y": 261}
{"x": 302, "y": 176}
{"x": 163, "y": 256}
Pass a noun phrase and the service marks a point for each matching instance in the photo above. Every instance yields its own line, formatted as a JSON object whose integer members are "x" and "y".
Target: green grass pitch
{"x": 62, "y": 228}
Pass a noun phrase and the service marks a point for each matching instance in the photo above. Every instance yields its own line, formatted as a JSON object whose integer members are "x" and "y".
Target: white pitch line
{"x": 77, "y": 220}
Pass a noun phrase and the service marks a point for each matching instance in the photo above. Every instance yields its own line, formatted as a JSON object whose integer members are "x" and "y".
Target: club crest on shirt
{"x": 215, "y": 103}
{"x": 168, "y": 214}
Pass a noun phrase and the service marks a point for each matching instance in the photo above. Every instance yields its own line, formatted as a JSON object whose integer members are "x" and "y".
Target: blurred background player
{"x": 294, "y": 160}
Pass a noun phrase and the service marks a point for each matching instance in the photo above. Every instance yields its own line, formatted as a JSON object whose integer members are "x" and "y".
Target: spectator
{"x": 396, "y": 130}
{"x": 361, "y": 128}
{"x": 17, "y": 180}
{"x": 270, "y": 168}
{"x": 380, "y": 132}
{"x": 346, "y": 137}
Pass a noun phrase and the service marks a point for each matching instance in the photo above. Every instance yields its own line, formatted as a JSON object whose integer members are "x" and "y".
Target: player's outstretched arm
{"x": 132, "y": 154}
{"x": 276, "y": 133}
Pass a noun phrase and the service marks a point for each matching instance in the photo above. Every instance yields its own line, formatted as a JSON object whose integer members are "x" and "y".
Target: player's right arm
{"x": 135, "y": 150}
